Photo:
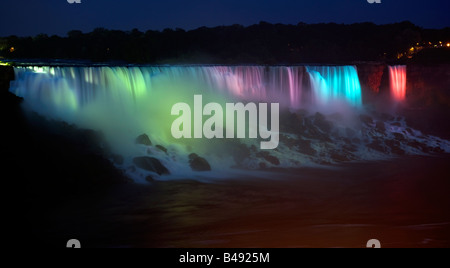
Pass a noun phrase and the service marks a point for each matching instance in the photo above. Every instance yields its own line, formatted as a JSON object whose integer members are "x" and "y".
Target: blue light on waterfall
{"x": 335, "y": 83}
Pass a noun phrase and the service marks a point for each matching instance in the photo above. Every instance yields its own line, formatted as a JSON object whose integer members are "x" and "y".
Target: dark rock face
{"x": 306, "y": 148}
{"x": 6, "y": 76}
{"x": 399, "y": 136}
{"x": 366, "y": 119}
{"x": 395, "y": 147}
{"x": 269, "y": 158}
{"x": 262, "y": 165}
{"x": 415, "y": 144}
{"x": 377, "y": 145}
{"x": 198, "y": 163}
{"x": 117, "y": 159}
{"x": 312, "y": 131}
{"x": 340, "y": 156}
{"x": 321, "y": 122}
{"x": 380, "y": 126}
{"x": 144, "y": 140}
{"x": 151, "y": 164}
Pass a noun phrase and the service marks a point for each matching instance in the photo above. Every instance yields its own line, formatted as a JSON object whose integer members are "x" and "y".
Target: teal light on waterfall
{"x": 335, "y": 83}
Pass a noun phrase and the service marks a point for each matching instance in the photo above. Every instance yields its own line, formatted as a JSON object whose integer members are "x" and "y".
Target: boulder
{"x": 151, "y": 164}
{"x": 377, "y": 145}
{"x": 380, "y": 126}
{"x": 415, "y": 144}
{"x": 395, "y": 146}
{"x": 161, "y": 148}
{"x": 437, "y": 150}
{"x": 313, "y": 132}
{"x": 293, "y": 122}
{"x": 143, "y": 140}
{"x": 304, "y": 147}
{"x": 198, "y": 163}
{"x": 366, "y": 119}
{"x": 340, "y": 156}
{"x": 269, "y": 158}
{"x": 399, "y": 136}
{"x": 322, "y": 123}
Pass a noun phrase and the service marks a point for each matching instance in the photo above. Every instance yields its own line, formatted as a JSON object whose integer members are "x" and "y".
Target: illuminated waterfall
{"x": 138, "y": 99}
{"x": 124, "y": 102}
{"x": 73, "y": 87}
{"x": 335, "y": 83}
{"x": 397, "y": 76}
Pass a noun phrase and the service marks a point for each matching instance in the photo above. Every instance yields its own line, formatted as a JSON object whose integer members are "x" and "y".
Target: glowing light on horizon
{"x": 397, "y": 75}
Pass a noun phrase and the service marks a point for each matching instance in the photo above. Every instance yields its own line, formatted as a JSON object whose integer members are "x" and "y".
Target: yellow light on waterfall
{"x": 448, "y": 44}
{"x": 12, "y": 49}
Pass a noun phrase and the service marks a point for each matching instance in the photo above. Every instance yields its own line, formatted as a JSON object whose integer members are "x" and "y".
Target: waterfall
{"x": 138, "y": 100}
{"x": 397, "y": 76}
{"x": 125, "y": 102}
{"x": 335, "y": 83}
{"x": 73, "y": 87}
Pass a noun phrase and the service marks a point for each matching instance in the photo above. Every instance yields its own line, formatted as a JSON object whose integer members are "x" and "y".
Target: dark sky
{"x": 31, "y": 17}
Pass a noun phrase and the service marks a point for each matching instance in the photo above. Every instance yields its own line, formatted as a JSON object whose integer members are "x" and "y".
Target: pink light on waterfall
{"x": 295, "y": 82}
{"x": 397, "y": 75}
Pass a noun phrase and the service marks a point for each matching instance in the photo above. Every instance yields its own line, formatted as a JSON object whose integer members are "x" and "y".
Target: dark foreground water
{"x": 402, "y": 202}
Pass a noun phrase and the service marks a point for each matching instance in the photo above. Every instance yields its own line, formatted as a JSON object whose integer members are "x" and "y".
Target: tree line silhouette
{"x": 263, "y": 43}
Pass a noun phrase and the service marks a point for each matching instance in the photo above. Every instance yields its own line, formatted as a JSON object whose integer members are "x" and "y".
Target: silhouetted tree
{"x": 262, "y": 43}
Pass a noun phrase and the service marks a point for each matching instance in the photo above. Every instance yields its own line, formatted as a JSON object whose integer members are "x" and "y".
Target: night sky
{"x": 32, "y": 17}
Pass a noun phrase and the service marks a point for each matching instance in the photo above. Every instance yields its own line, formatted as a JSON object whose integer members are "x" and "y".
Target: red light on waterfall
{"x": 397, "y": 76}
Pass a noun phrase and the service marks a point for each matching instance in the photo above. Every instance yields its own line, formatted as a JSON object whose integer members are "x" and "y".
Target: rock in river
{"x": 151, "y": 164}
